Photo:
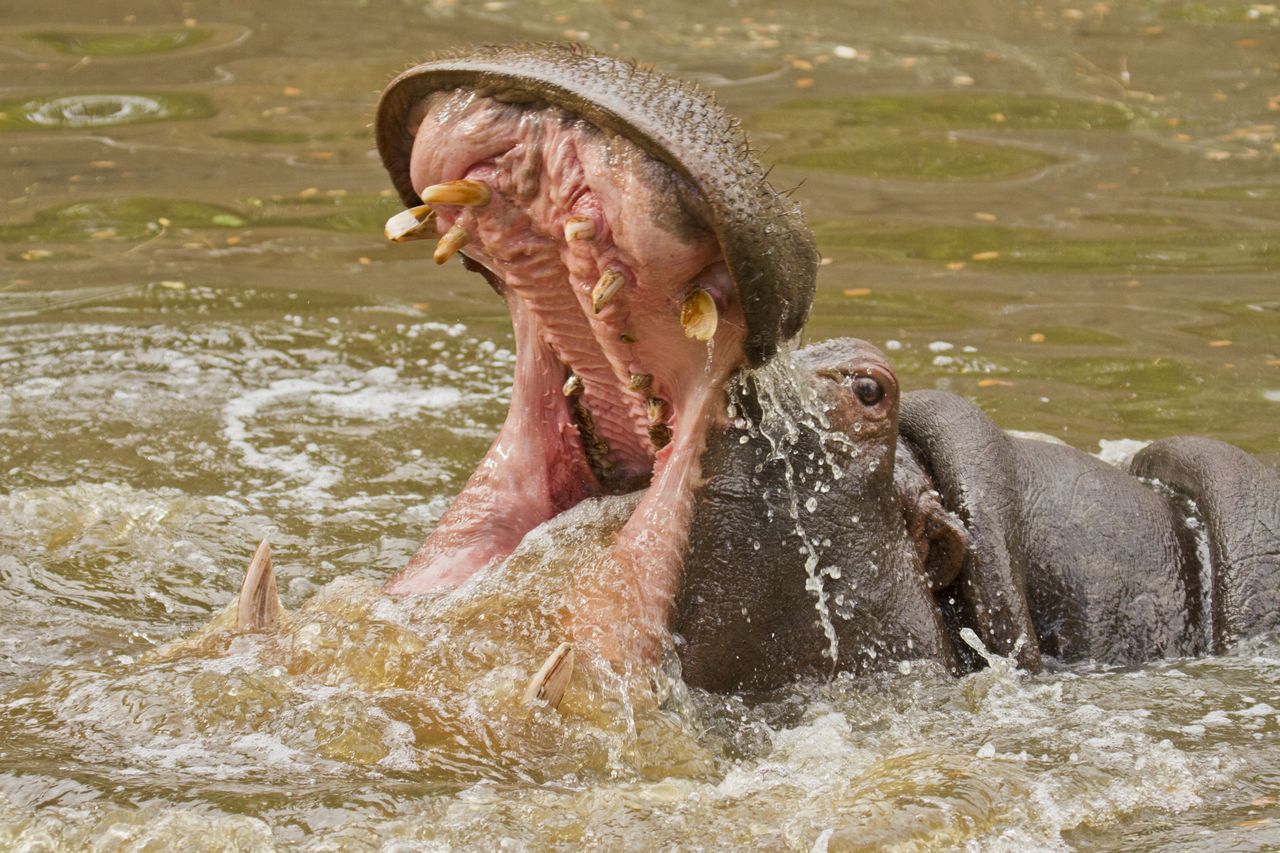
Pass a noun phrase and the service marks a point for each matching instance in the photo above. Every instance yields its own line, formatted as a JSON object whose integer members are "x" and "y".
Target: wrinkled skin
{"x": 798, "y": 514}
{"x": 960, "y": 525}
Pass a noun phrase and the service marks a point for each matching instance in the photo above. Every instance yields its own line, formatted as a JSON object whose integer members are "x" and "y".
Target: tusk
{"x": 453, "y": 240}
{"x": 698, "y": 315}
{"x": 466, "y": 193}
{"x": 259, "y": 606}
{"x": 579, "y": 228}
{"x": 550, "y": 682}
{"x": 412, "y": 224}
{"x": 606, "y": 288}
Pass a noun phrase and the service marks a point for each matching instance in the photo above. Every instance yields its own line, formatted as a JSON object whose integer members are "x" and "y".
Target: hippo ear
{"x": 940, "y": 537}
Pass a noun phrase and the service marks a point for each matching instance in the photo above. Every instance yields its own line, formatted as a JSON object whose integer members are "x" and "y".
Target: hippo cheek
{"x": 643, "y": 259}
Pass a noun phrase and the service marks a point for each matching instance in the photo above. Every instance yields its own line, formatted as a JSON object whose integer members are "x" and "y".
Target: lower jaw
{"x": 619, "y": 613}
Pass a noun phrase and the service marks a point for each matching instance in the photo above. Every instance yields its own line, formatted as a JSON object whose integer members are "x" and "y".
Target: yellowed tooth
{"x": 698, "y": 315}
{"x": 467, "y": 193}
{"x": 656, "y": 409}
{"x": 412, "y": 224}
{"x": 572, "y": 385}
{"x": 606, "y": 288}
{"x": 453, "y": 240}
{"x": 551, "y": 681}
{"x": 659, "y": 435}
{"x": 640, "y": 381}
{"x": 259, "y": 606}
{"x": 579, "y": 228}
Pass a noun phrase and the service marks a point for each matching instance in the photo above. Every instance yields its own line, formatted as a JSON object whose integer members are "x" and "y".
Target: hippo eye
{"x": 869, "y": 391}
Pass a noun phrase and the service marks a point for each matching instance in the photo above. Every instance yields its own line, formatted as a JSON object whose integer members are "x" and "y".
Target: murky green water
{"x": 1070, "y": 213}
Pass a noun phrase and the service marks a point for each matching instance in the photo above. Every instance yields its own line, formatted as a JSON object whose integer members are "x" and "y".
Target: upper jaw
{"x": 603, "y": 250}
{"x": 767, "y": 247}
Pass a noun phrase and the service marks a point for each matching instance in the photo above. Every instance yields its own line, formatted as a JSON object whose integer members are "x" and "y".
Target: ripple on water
{"x": 88, "y": 111}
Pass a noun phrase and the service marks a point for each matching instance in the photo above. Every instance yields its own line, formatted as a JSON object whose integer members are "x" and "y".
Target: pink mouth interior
{"x": 648, "y": 392}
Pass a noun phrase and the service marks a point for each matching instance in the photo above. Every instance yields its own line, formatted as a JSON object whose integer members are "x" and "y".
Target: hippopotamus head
{"x": 818, "y": 542}
{"x": 644, "y": 260}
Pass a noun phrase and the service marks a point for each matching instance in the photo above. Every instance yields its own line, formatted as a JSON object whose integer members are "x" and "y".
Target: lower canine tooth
{"x": 698, "y": 315}
{"x": 412, "y": 224}
{"x": 606, "y": 288}
{"x": 467, "y": 193}
{"x": 579, "y": 228}
{"x": 453, "y": 240}
{"x": 258, "y": 608}
{"x": 550, "y": 682}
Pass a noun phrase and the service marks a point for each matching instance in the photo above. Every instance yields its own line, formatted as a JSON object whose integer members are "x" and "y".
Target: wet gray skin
{"x": 903, "y": 544}
{"x": 939, "y": 522}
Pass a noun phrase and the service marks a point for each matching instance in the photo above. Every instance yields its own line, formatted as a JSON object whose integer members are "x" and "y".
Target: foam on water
{"x": 396, "y": 723}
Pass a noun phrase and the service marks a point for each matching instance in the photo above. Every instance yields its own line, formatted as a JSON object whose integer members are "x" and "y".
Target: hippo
{"x": 941, "y": 523}
{"x": 796, "y": 514}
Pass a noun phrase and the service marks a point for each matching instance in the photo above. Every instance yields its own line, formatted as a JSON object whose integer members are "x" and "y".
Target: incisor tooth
{"x": 453, "y": 240}
{"x": 698, "y": 315}
{"x": 572, "y": 385}
{"x": 412, "y": 224}
{"x": 606, "y": 288}
{"x": 467, "y": 193}
{"x": 579, "y": 228}
{"x": 550, "y": 682}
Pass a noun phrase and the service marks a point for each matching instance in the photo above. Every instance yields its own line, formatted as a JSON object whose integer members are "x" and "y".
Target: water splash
{"x": 791, "y": 417}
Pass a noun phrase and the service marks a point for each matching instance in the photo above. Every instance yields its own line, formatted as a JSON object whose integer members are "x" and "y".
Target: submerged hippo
{"x": 798, "y": 514}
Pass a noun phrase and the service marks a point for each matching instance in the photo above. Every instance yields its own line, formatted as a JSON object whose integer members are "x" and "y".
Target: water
{"x": 1066, "y": 212}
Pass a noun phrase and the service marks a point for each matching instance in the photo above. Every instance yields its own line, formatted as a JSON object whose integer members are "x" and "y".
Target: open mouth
{"x": 643, "y": 260}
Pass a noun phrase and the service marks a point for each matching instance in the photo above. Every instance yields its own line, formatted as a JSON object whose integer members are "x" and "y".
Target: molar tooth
{"x": 572, "y": 385}
{"x": 698, "y": 315}
{"x": 453, "y": 240}
{"x": 640, "y": 381}
{"x": 412, "y": 224}
{"x": 606, "y": 288}
{"x": 466, "y": 193}
{"x": 659, "y": 432}
{"x": 551, "y": 681}
{"x": 659, "y": 435}
{"x": 579, "y": 228}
